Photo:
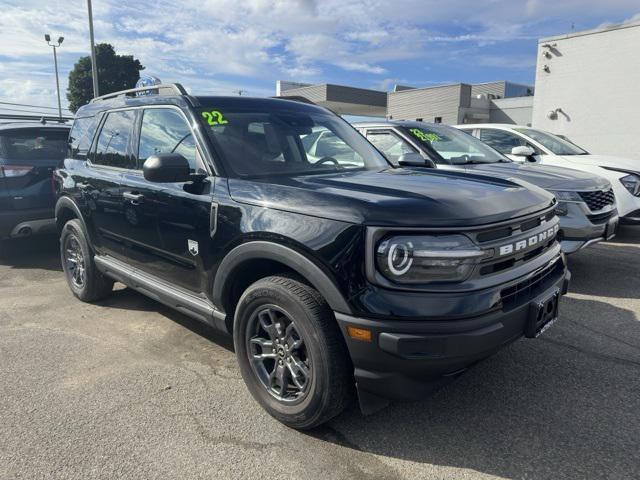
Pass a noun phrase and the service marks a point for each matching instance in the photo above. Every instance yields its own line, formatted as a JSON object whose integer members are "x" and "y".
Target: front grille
{"x": 514, "y": 235}
{"x": 533, "y": 285}
{"x": 598, "y": 200}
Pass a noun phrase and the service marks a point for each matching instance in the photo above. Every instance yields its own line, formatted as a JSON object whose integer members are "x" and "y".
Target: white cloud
{"x": 223, "y": 45}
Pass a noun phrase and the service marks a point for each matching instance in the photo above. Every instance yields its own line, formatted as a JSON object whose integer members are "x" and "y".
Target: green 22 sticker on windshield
{"x": 214, "y": 117}
{"x": 424, "y": 136}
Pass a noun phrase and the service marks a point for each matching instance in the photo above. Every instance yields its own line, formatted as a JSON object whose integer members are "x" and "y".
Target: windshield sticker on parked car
{"x": 424, "y": 136}
{"x": 214, "y": 117}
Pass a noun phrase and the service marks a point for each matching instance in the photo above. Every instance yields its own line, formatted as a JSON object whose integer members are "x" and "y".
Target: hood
{"x": 547, "y": 177}
{"x": 396, "y": 197}
{"x": 627, "y": 164}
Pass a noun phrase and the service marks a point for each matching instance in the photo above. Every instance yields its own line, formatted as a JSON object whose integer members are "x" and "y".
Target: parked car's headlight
{"x": 563, "y": 197}
{"x": 632, "y": 183}
{"x": 567, "y": 196}
{"x": 562, "y": 209}
{"x": 414, "y": 259}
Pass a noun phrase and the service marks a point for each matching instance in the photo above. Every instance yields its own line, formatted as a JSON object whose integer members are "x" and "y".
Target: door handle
{"x": 134, "y": 198}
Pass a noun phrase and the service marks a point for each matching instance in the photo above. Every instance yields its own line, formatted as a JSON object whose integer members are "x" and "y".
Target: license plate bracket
{"x": 543, "y": 312}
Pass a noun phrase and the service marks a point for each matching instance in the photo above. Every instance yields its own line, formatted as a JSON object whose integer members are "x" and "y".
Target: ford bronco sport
{"x": 335, "y": 275}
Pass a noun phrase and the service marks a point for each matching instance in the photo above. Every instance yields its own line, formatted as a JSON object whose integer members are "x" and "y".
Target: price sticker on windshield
{"x": 214, "y": 117}
{"x": 424, "y": 136}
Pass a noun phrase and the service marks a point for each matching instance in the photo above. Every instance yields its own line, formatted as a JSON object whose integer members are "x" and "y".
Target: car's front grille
{"x": 599, "y": 199}
{"x": 516, "y": 243}
{"x": 533, "y": 285}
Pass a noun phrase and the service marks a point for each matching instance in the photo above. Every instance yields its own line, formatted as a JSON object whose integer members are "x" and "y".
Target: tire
{"x": 83, "y": 278}
{"x": 329, "y": 385}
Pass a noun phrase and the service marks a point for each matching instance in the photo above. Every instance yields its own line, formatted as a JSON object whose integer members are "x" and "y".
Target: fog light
{"x": 358, "y": 333}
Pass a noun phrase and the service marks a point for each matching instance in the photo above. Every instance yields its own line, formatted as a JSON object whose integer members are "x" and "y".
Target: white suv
{"x": 527, "y": 144}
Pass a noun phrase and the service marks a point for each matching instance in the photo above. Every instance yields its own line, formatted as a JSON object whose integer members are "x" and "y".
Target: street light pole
{"x": 94, "y": 66}
{"x": 47, "y": 37}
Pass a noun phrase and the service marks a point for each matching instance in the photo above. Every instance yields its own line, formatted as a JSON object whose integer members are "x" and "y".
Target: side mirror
{"x": 415, "y": 160}
{"x": 167, "y": 168}
{"x": 522, "y": 151}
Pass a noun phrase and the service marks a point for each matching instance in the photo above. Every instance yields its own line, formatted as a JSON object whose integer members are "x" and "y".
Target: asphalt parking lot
{"x": 130, "y": 389}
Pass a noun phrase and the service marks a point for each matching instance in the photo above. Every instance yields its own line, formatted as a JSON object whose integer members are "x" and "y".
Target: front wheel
{"x": 291, "y": 353}
{"x": 83, "y": 278}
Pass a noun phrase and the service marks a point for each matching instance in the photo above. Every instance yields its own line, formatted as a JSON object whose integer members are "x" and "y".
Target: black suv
{"x": 29, "y": 153}
{"x": 327, "y": 271}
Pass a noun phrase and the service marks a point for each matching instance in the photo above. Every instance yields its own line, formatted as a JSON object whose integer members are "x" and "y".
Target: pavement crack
{"x": 610, "y": 337}
{"x": 595, "y": 355}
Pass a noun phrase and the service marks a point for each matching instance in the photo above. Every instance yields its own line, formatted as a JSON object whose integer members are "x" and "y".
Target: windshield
{"x": 554, "y": 143}
{"x": 455, "y": 146}
{"x": 34, "y": 145}
{"x": 275, "y": 141}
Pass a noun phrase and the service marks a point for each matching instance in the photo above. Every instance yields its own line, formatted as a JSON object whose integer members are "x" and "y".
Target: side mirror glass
{"x": 522, "y": 151}
{"x": 415, "y": 160}
{"x": 167, "y": 168}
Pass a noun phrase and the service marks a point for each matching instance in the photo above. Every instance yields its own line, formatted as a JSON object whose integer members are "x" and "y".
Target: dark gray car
{"x": 29, "y": 153}
{"x": 586, "y": 207}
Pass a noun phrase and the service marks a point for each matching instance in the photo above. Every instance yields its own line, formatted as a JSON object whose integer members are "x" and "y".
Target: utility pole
{"x": 94, "y": 65}
{"x": 47, "y": 37}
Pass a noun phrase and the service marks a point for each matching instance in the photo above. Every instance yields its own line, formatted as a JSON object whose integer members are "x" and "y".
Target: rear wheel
{"x": 291, "y": 353}
{"x": 83, "y": 278}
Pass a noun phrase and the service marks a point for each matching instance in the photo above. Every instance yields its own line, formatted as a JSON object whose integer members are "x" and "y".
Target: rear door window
{"x": 34, "y": 146}
{"x": 113, "y": 148}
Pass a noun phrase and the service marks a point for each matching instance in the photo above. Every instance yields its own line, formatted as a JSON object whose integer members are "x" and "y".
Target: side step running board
{"x": 183, "y": 301}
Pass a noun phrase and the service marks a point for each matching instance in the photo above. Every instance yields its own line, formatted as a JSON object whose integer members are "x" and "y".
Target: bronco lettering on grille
{"x": 529, "y": 242}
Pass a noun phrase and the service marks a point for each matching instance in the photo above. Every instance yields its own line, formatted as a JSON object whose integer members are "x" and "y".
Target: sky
{"x": 221, "y": 46}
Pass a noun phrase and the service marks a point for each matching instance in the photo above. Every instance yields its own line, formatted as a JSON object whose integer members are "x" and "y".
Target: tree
{"x": 115, "y": 72}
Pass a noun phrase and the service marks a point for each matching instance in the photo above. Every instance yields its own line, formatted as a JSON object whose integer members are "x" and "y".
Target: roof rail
{"x": 174, "y": 89}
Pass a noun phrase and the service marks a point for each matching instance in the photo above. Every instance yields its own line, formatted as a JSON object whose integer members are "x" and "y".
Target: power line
{"x": 31, "y": 106}
{"x": 28, "y": 112}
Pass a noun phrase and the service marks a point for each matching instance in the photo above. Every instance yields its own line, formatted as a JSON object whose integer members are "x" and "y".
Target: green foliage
{"x": 115, "y": 72}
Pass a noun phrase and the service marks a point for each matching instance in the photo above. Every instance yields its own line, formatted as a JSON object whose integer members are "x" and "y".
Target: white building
{"x": 588, "y": 88}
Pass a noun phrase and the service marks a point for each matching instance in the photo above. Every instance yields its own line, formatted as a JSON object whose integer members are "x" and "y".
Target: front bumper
{"x": 406, "y": 360}
{"x": 632, "y": 218}
{"x": 580, "y": 228}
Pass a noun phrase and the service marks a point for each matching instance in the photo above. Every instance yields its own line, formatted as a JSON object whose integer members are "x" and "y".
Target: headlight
{"x": 567, "y": 196}
{"x": 632, "y": 183}
{"x": 562, "y": 209}
{"x": 414, "y": 259}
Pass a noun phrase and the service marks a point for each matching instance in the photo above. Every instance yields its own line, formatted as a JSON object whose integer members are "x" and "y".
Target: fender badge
{"x": 193, "y": 247}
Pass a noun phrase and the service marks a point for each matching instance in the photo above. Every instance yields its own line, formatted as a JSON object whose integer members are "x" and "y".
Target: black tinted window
{"x": 164, "y": 130}
{"x": 81, "y": 137}
{"x": 272, "y": 140}
{"x": 112, "y": 148}
{"x": 33, "y": 144}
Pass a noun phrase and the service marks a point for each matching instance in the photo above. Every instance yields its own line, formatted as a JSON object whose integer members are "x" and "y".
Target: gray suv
{"x": 586, "y": 203}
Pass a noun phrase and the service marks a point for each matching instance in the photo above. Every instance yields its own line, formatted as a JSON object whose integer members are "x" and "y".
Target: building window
{"x": 437, "y": 120}
{"x": 418, "y": 120}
